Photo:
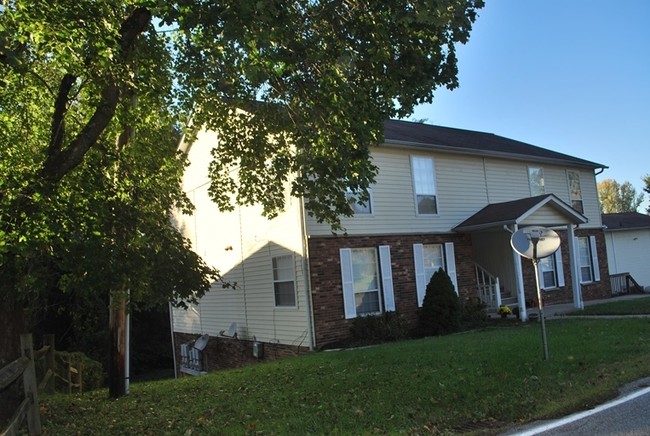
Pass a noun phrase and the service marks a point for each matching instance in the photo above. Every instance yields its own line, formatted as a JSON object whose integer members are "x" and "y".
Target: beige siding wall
{"x": 464, "y": 185}
{"x": 241, "y": 245}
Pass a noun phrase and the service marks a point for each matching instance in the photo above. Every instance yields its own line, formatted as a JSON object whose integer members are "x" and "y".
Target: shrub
{"x": 473, "y": 314}
{"x": 373, "y": 329}
{"x": 440, "y": 311}
{"x": 92, "y": 372}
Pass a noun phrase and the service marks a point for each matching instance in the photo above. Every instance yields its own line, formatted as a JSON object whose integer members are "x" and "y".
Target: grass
{"x": 635, "y": 306}
{"x": 486, "y": 379}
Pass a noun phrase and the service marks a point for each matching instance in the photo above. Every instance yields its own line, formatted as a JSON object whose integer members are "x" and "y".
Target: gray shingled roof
{"x": 626, "y": 221}
{"x": 405, "y": 133}
{"x": 513, "y": 212}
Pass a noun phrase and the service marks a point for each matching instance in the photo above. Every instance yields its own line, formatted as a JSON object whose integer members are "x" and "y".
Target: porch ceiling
{"x": 545, "y": 210}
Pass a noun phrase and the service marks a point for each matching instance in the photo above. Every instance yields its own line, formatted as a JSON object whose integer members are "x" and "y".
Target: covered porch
{"x": 500, "y": 271}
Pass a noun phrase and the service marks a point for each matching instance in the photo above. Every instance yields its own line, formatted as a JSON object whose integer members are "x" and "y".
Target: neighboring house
{"x": 443, "y": 198}
{"x": 627, "y": 237}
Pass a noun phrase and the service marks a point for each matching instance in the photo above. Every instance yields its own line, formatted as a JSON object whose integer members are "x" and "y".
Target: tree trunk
{"x": 117, "y": 363}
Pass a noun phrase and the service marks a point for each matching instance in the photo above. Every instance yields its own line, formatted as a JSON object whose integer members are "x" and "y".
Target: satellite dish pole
{"x": 535, "y": 236}
{"x": 533, "y": 243}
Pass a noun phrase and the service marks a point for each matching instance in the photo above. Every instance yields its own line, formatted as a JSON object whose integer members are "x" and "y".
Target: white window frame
{"x": 592, "y": 262}
{"x": 358, "y": 209}
{"x": 384, "y": 280}
{"x": 449, "y": 259}
{"x": 575, "y": 195}
{"x": 423, "y": 172}
{"x": 555, "y": 261}
{"x": 277, "y": 281}
{"x": 542, "y": 188}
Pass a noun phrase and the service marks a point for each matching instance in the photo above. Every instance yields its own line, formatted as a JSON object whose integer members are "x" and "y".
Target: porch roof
{"x": 546, "y": 210}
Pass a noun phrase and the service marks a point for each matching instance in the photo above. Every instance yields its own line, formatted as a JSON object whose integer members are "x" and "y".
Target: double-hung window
{"x": 575, "y": 192}
{"x": 354, "y": 200}
{"x": 429, "y": 258}
{"x": 424, "y": 185}
{"x": 284, "y": 285}
{"x": 367, "y": 281}
{"x": 536, "y": 181}
{"x": 551, "y": 271}
{"x": 589, "y": 271}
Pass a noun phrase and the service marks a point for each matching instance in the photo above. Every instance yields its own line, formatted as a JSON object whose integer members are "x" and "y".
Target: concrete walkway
{"x": 560, "y": 310}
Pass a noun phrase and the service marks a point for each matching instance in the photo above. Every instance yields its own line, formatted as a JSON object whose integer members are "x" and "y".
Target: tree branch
{"x": 58, "y": 118}
{"x": 60, "y": 162}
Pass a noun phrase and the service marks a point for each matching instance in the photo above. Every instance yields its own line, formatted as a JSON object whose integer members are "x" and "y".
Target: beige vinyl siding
{"x": 187, "y": 320}
{"x": 545, "y": 214}
{"x": 241, "y": 245}
{"x": 464, "y": 185}
{"x": 506, "y": 180}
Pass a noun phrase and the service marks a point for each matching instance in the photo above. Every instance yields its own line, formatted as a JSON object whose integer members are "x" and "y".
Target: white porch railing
{"x": 488, "y": 287}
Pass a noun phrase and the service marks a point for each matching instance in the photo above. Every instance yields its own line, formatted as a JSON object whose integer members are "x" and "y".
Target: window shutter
{"x": 386, "y": 278}
{"x": 594, "y": 258}
{"x": 540, "y": 276}
{"x": 348, "y": 283}
{"x": 559, "y": 268}
{"x": 450, "y": 260}
{"x": 420, "y": 286}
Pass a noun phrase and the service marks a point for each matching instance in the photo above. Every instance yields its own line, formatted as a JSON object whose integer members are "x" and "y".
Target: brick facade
{"x": 590, "y": 291}
{"x": 223, "y": 353}
{"x": 330, "y": 324}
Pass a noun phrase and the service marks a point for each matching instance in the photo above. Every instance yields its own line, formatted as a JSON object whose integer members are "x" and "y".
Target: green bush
{"x": 473, "y": 314}
{"x": 440, "y": 311}
{"x": 374, "y": 329}
{"x": 92, "y": 372}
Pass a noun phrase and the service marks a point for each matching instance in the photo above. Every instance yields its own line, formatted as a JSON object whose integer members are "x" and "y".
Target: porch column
{"x": 575, "y": 268}
{"x": 519, "y": 277}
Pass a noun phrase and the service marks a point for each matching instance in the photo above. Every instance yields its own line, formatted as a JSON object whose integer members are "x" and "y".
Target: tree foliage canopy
{"x": 615, "y": 197}
{"x": 94, "y": 93}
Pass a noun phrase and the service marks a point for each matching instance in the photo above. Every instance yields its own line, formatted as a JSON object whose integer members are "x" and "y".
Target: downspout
{"x": 307, "y": 275}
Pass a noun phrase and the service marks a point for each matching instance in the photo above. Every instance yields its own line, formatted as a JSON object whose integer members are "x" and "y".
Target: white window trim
{"x": 559, "y": 272}
{"x": 571, "y": 200}
{"x": 450, "y": 267}
{"x": 530, "y": 185}
{"x": 293, "y": 279}
{"x": 386, "y": 292}
{"x": 435, "y": 186}
{"x": 593, "y": 255}
{"x": 349, "y": 194}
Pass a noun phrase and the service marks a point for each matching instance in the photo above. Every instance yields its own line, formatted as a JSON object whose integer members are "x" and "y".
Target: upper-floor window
{"x": 575, "y": 192}
{"x": 284, "y": 285}
{"x": 424, "y": 185}
{"x": 536, "y": 181}
{"x": 354, "y": 201}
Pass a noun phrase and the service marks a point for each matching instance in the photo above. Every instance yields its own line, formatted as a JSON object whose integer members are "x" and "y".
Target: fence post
{"x": 48, "y": 340}
{"x": 30, "y": 385}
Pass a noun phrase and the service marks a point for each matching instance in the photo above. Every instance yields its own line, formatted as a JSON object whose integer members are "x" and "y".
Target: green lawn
{"x": 634, "y": 306}
{"x": 485, "y": 379}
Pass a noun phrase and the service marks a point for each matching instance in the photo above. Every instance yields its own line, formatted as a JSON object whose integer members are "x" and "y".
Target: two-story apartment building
{"x": 443, "y": 197}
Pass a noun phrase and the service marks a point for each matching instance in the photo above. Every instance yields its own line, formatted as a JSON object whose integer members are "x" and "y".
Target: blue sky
{"x": 568, "y": 75}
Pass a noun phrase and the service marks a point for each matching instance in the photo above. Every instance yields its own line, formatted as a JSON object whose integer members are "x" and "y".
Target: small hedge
{"x": 374, "y": 329}
{"x": 440, "y": 311}
{"x": 92, "y": 372}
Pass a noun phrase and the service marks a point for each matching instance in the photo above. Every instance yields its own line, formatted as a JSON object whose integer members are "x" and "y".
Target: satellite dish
{"x": 232, "y": 330}
{"x": 524, "y": 241}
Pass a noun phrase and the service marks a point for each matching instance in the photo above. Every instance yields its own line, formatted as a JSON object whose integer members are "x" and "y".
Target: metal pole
{"x": 539, "y": 305}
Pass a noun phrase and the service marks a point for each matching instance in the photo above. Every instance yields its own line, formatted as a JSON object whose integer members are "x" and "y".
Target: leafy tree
{"x": 615, "y": 197}
{"x": 94, "y": 92}
{"x": 440, "y": 313}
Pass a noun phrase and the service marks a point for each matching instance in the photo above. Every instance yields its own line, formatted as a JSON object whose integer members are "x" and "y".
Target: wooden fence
{"x": 25, "y": 366}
